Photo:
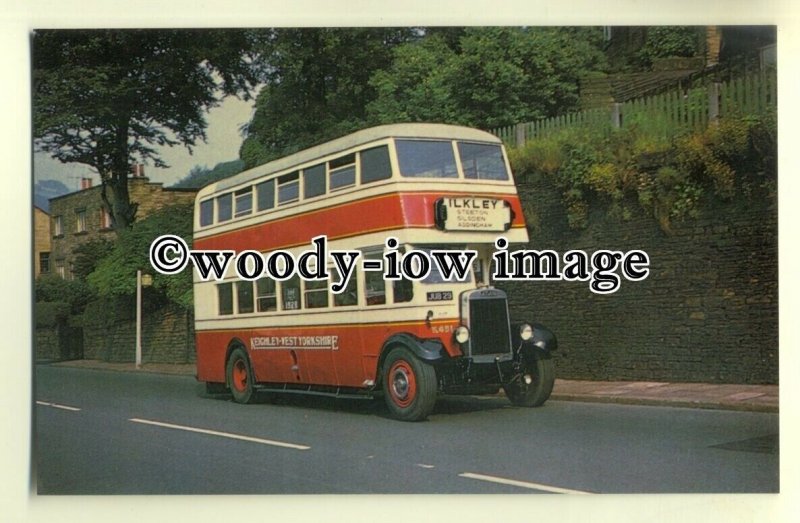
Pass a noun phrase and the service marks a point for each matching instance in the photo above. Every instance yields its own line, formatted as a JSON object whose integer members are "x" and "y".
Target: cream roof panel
{"x": 403, "y": 130}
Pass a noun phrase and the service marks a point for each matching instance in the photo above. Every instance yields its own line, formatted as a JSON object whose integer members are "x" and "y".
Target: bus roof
{"x": 402, "y": 130}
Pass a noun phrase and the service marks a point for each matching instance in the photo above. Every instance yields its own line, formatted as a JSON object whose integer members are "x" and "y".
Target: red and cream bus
{"x": 429, "y": 186}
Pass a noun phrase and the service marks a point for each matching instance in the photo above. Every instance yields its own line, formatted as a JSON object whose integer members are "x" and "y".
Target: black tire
{"x": 541, "y": 373}
{"x": 409, "y": 385}
{"x": 239, "y": 375}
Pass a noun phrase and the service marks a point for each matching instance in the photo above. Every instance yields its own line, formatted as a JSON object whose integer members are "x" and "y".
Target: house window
{"x": 80, "y": 220}
{"x": 105, "y": 219}
{"x": 58, "y": 226}
{"x": 44, "y": 262}
{"x": 60, "y": 269}
{"x": 244, "y": 202}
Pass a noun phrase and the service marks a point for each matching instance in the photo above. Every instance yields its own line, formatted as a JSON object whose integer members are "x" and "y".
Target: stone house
{"x": 79, "y": 217}
{"x": 41, "y": 242}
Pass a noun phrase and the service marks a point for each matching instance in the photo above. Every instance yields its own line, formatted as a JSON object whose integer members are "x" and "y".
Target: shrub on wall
{"x": 669, "y": 178}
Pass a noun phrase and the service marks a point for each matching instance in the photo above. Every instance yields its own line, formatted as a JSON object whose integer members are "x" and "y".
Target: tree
{"x": 486, "y": 77}
{"x": 317, "y": 87}
{"x": 130, "y": 253}
{"x": 108, "y": 98}
{"x": 201, "y": 176}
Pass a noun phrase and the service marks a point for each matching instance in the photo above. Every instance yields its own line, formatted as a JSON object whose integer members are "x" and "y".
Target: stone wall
{"x": 57, "y": 343}
{"x": 167, "y": 334}
{"x": 708, "y": 312}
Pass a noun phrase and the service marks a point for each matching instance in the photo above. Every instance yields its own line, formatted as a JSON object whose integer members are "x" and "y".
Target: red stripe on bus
{"x": 383, "y": 213}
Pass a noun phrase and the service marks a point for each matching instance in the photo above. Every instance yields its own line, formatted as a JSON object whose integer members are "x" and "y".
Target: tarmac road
{"x": 101, "y": 432}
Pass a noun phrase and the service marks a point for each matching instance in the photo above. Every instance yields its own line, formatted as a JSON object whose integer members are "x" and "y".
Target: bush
{"x": 50, "y": 313}
{"x": 52, "y": 288}
{"x": 668, "y": 178}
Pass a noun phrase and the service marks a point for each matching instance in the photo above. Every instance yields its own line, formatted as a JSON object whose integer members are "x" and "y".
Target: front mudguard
{"x": 541, "y": 345}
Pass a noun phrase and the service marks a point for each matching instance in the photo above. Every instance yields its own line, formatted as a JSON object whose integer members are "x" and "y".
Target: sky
{"x": 223, "y": 142}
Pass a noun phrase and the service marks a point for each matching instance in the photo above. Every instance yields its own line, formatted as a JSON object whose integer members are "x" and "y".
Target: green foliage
{"x": 50, "y": 313}
{"x": 199, "y": 176}
{"x": 669, "y": 179}
{"x": 115, "y": 275}
{"x": 317, "y": 87}
{"x": 110, "y": 98}
{"x": 486, "y": 77}
{"x": 669, "y": 41}
{"x": 88, "y": 255}
{"x": 52, "y": 288}
{"x": 328, "y": 82}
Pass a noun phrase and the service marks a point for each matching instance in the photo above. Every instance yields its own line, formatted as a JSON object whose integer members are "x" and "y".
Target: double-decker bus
{"x": 428, "y": 186}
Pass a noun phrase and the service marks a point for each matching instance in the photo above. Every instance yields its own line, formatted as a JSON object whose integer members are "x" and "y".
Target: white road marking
{"x": 222, "y": 434}
{"x": 423, "y": 465}
{"x": 57, "y": 406}
{"x": 523, "y": 484}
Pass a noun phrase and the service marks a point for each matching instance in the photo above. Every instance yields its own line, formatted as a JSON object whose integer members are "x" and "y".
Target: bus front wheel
{"x": 240, "y": 376}
{"x": 409, "y": 385}
{"x": 535, "y": 385}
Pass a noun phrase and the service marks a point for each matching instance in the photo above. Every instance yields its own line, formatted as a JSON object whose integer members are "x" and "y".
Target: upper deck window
{"x": 244, "y": 202}
{"x": 426, "y": 159}
{"x": 224, "y": 207}
{"x": 314, "y": 181}
{"x": 342, "y": 171}
{"x": 265, "y": 192}
{"x": 206, "y": 213}
{"x": 482, "y": 161}
{"x": 375, "y": 164}
{"x": 289, "y": 188}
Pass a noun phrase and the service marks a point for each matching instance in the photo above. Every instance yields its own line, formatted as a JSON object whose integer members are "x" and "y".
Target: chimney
{"x": 137, "y": 170}
{"x": 86, "y": 183}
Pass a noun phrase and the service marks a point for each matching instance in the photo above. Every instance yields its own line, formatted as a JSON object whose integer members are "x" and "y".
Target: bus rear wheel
{"x": 535, "y": 385}
{"x": 240, "y": 376}
{"x": 409, "y": 385}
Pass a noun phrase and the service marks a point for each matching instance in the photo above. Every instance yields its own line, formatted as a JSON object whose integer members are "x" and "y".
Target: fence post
{"x": 519, "y": 132}
{"x": 616, "y": 115}
{"x": 713, "y": 103}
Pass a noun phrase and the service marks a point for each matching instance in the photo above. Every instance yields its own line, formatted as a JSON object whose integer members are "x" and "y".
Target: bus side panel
{"x": 211, "y": 348}
{"x": 338, "y": 355}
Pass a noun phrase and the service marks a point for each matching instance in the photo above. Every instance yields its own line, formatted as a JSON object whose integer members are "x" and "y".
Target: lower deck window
{"x": 266, "y": 297}
{"x": 290, "y": 291}
{"x": 225, "y": 298}
{"x": 316, "y": 295}
{"x": 244, "y": 296}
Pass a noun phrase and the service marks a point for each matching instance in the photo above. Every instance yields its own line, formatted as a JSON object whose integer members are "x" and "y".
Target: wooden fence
{"x": 666, "y": 113}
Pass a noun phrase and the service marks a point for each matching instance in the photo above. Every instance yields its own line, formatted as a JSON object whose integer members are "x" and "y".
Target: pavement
{"x": 755, "y": 398}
